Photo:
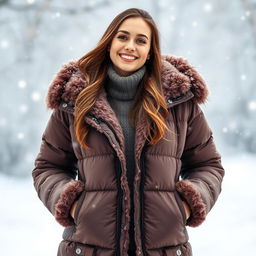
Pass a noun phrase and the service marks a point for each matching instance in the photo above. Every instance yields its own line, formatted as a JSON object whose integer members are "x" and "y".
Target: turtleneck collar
{"x": 123, "y": 87}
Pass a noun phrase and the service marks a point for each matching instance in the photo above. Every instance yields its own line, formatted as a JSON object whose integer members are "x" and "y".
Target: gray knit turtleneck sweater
{"x": 120, "y": 93}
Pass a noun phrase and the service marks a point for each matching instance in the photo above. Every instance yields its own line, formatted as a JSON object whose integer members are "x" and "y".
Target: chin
{"x": 129, "y": 69}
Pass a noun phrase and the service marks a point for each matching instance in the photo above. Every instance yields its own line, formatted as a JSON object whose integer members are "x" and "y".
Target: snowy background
{"x": 217, "y": 37}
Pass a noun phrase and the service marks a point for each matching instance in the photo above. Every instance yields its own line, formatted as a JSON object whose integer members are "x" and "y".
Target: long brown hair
{"x": 149, "y": 99}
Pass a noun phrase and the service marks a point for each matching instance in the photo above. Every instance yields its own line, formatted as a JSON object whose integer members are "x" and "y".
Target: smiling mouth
{"x": 127, "y": 58}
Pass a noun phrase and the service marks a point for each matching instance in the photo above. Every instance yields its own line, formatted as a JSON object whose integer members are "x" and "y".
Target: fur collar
{"x": 178, "y": 77}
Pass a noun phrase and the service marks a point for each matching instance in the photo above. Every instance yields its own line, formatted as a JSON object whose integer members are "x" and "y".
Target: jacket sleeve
{"x": 55, "y": 169}
{"x": 201, "y": 170}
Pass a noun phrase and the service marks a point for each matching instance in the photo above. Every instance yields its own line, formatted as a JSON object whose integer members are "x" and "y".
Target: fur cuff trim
{"x": 198, "y": 208}
{"x": 62, "y": 209}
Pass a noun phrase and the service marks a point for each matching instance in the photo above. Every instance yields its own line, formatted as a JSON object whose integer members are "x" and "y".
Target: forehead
{"x": 136, "y": 26}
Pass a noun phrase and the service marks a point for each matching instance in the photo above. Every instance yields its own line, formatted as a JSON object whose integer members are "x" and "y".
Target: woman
{"x": 127, "y": 159}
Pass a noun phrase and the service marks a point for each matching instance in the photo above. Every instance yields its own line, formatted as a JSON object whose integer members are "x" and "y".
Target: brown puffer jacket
{"x": 187, "y": 167}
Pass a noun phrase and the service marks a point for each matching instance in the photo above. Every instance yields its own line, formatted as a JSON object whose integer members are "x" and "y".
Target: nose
{"x": 130, "y": 46}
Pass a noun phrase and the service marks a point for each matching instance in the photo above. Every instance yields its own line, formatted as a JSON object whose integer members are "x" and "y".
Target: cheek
{"x": 115, "y": 46}
{"x": 113, "y": 52}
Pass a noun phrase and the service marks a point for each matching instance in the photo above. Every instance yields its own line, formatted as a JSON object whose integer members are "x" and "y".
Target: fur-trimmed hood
{"x": 178, "y": 77}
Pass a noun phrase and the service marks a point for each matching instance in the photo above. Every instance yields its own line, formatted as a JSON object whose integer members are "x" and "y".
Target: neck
{"x": 123, "y": 87}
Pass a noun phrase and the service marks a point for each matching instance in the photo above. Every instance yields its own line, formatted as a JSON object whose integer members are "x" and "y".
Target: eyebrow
{"x": 126, "y": 32}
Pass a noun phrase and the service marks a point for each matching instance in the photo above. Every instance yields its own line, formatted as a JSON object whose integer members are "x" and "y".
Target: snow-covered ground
{"x": 27, "y": 228}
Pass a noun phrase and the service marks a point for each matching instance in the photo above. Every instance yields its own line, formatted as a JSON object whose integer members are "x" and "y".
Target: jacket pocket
{"x": 180, "y": 250}
{"x": 79, "y": 205}
{"x": 181, "y": 207}
{"x": 70, "y": 248}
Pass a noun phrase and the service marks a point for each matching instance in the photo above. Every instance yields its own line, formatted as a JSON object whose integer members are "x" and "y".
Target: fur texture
{"x": 193, "y": 198}
{"x": 178, "y": 76}
{"x": 67, "y": 198}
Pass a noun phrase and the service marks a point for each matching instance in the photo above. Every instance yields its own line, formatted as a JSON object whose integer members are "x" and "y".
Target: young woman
{"x": 127, "y": 159}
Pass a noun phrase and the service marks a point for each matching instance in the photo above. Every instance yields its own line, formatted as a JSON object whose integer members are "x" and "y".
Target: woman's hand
{"x": 73, "y": 208}
{"x": 187, "y": 209}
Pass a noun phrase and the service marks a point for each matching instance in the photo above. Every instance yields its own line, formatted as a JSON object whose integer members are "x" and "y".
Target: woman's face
{"x": 130, "y": 46}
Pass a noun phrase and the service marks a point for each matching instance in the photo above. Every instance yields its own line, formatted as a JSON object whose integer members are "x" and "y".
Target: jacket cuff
{"x": 62, "y": 208}
{"x": 189, "y": 192}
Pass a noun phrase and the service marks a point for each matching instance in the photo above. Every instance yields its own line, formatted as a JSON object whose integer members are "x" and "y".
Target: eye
{"x": 141, "y": 41}
{"x": 122, "y": 37}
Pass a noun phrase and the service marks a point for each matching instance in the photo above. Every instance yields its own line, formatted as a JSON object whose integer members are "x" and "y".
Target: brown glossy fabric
{"x": 185, "y": 166}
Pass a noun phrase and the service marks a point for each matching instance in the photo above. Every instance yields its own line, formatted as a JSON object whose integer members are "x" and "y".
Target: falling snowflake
{"x": 56, "y": 15}
{"x": 35, "y": 96}
{"x": 194, "y": 24}
{"x": 22, "y": 84}
{"x": 30, "y": 1}
{"x": 247, "y": 13}
{"x": 182, "y": 34}
{"x": 23, "y": 108}
{"x": 208, "y": 7}
{"x": 252, "y": 105}
{"x": 4, "y": 44}
{"x": 20, "y": 135}
{"x": 225, "y": 130}
{"x": 242, "y": 18}
{"x": 243, "y": 77}
{"x": 172, "y": 18}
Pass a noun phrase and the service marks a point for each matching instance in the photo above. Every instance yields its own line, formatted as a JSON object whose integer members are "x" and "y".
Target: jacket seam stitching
{"x": 161, "y": 190}
{"x": 101, "y": 190}
{"x": 153, "y": 154}
{"x": 98, "y": 155}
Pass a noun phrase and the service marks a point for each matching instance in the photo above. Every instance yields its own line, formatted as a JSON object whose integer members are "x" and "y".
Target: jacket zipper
{"x": 99, "y": 120}
{"x": 120, "y": 191}
{"x": 119, "y": 206}
{"x": 142, "y": 166}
